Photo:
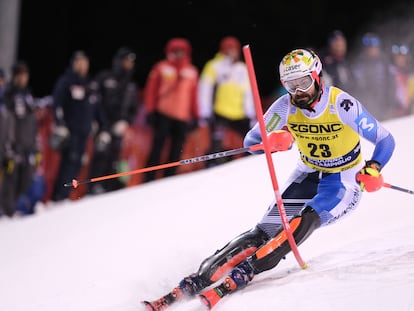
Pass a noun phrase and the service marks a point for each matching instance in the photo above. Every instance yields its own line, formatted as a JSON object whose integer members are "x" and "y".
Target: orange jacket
{"x": 171, "y": 87}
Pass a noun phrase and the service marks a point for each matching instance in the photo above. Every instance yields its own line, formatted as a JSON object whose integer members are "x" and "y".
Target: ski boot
{"x": 237, "y": 279}
{"x": 165, "y": 301}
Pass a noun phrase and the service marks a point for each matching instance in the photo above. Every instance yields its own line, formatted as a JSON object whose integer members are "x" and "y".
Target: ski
{"x": 209, "y": 298}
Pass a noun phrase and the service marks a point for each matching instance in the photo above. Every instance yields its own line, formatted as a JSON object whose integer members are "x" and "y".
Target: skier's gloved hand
{"x": 280, "y": 140}
{"x": 369, "y": 177}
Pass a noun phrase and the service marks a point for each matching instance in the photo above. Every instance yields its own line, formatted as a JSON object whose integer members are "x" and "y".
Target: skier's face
{"x": 302, "y": 98}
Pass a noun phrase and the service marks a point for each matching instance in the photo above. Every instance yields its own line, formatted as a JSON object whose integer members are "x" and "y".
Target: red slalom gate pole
{"x": 266, "y": 148}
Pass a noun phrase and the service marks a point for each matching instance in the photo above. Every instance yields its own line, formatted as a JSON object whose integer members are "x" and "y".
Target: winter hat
{"x": 178, "y": 44}
{"x": 371, "y": 39}
{"x": 125, "y": 52}
{"x": 229, "y": 42}
{"x": 19, "y": 68}
{"x": 77, "y": 55}
{"x": 335, "y": 34}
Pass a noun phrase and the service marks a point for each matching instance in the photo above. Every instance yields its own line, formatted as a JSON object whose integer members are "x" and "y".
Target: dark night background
{"x": 51, "y": 30}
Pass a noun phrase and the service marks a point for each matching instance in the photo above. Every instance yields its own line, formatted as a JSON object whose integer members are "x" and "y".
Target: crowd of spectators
{"x": 380, "y": 76}
{"x": 103, "y": 124}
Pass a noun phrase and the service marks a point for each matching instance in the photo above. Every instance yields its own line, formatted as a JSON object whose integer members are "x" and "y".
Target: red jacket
{"x": 171, "y": 87}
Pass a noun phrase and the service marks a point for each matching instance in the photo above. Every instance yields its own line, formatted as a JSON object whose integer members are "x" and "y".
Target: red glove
{"x": 369, "y": 177}
{"x": 280, "y": 140}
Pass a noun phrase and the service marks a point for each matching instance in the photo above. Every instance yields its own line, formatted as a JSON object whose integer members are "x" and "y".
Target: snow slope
{"x": 108, "y": 252}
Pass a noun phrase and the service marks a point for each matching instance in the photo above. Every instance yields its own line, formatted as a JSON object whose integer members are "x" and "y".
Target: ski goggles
{"x": 302, "y": 84}
{"x": 400, "y": 49}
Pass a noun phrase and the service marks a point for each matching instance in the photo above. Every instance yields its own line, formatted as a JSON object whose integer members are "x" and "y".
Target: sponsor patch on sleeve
{"x": 368, "y": 126}
{"x": 273, "y": 122}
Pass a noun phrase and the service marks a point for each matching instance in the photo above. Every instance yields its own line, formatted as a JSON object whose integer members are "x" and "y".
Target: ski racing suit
{"x": 321, "y": 189}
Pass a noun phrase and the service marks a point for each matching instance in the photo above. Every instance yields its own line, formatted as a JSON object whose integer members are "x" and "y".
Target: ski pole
{"x": 387, "y": 185}
{"x": 75, "y": 183}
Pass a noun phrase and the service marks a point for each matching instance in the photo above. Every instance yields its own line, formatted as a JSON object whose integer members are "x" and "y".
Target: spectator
{"x": 20, "y": 147}
{"x": 374, "y": 84}
{"x": 74, "y": 106}
{"x": 225, "y": 96}
{"x": 335, "y": 61}
{"x": 170, "y": 98}
{"x": 118, "y": 102}
{"x": 402, "y": 72}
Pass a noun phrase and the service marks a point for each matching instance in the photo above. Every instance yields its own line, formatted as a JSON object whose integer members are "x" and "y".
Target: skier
{"x": 327, "y": 183}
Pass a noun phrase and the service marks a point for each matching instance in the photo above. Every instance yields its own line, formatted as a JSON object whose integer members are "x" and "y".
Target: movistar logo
{"x": 366, "y": 125}
{"x": 316, "y": 128}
